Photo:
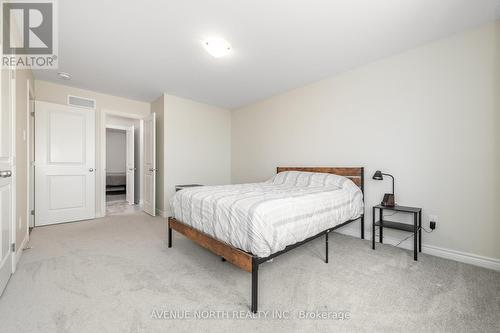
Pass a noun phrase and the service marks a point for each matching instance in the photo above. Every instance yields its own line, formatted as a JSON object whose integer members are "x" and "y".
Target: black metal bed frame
{"x": 256, "y": 261}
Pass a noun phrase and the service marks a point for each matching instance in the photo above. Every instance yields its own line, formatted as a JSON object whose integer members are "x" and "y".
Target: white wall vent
{"x": 81, "y": 102}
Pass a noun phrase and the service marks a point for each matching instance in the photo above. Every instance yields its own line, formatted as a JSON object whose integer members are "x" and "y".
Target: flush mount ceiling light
{"x": 64, "y": 75}
{"x": 217, "y": 47}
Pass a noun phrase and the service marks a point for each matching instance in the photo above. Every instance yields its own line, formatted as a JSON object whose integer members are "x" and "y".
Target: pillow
{"x": 310, "y": 179}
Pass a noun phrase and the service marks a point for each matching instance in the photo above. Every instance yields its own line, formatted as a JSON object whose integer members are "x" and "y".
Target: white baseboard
{"x": 468, "y": 258}
{"x": 20, "y": 248}
{"x": 162, "y": 213}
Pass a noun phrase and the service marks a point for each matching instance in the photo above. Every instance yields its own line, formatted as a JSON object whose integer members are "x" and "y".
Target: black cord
{"x": 406, "y": 238}
{"x": 400, "y": 241}
{"x": 427, "y": 231}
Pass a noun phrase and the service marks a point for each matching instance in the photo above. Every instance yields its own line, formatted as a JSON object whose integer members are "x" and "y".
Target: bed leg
{"x": 255, "y": 288}
{"x": 326, "y": 247}
{"x": 363, "y": 226}
{"x": 169, "y": 236}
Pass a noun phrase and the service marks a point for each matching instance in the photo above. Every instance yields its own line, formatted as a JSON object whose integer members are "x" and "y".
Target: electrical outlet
{"x": 19, "y": 222}
{"x": 432, "y": 221}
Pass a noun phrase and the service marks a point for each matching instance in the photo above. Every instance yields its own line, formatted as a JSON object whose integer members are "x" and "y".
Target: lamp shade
{"x": 378, "y": 175}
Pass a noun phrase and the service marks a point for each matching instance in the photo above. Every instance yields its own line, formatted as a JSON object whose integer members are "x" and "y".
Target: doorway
{"x": 123, "y": 163}
{"x": 89, "y": 195}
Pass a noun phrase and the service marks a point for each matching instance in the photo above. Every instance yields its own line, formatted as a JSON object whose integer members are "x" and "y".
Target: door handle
{"x": 5, "y": 174}
{"x": 132, "y": 169}
{"x": 91, "y": 170}
{"x": 152, "y": 169}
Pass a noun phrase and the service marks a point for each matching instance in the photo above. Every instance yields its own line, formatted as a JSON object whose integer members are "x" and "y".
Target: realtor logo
{"x": 29, "y": 38}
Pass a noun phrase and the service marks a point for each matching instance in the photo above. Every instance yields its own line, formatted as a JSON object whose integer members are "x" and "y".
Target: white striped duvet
{"x": 264, "y": 218}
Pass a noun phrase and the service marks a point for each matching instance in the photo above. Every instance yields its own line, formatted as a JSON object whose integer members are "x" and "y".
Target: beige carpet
{"x": 116, "y": 275}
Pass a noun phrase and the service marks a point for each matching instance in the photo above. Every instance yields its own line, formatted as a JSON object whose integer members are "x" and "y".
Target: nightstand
{"x": 415, "y": 228}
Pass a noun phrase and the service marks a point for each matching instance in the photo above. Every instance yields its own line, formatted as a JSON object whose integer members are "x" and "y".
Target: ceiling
{"x": 140, "y": 49}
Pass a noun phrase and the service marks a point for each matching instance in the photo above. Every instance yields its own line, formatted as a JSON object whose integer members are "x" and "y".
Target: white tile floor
{"x": 117, "y": 205}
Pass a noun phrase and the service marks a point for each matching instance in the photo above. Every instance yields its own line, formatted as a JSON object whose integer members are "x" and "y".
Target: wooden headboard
{"x": 356, "y": 174}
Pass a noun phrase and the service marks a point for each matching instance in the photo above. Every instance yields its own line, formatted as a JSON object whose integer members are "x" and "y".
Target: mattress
{"x": 264, "y": 218}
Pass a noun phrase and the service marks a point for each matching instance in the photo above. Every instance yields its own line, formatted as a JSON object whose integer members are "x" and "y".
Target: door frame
{"x": 30, "y": 132}
{"x": 30, "y": 96}
{"x": 101, "y": 188}
{"x": 13, "y": 106}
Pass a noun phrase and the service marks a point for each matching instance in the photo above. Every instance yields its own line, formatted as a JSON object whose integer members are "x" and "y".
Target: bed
{"x": 248, "y": 224}
{"x": 116, "y": 182}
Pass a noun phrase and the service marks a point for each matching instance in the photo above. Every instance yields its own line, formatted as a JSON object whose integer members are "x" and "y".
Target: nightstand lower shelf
{"x": 396, "y": 225}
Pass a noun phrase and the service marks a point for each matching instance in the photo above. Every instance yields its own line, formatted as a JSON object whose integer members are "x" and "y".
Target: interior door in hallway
{"x": 130, "y": 165}
{"x": 150, "y": 164}
{"x": 64, "y": 163}
{"x": 6, "y": 175}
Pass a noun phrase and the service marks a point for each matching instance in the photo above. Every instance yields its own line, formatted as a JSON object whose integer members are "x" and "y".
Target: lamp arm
{"x": 386, "y": 174}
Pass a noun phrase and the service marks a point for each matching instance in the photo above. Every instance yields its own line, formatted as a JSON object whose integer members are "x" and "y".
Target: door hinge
{"x": 13, "y": 246}
{"x": 33, "y": 212}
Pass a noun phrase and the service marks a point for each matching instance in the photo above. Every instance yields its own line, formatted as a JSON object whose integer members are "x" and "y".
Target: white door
{"x": 150, "y": 164}
{"x": 31, "y": 143}
{"x": 130, "y": 165}
{"x": 6, "y": 173}
{"x": 64, "y": 163}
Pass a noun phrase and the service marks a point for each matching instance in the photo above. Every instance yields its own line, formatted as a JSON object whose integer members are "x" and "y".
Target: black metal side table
{"x": 416, "y": 228}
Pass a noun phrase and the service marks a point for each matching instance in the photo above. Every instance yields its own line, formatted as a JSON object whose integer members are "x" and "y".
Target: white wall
{"x": 197, "y": 146}
{"x": 430, "y": 116}
{"x": 57, "y": 93}
{"x": 116, "y": 151}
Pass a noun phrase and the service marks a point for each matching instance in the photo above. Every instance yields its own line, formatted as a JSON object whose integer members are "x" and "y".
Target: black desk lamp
{"x": 388, "y": 198}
